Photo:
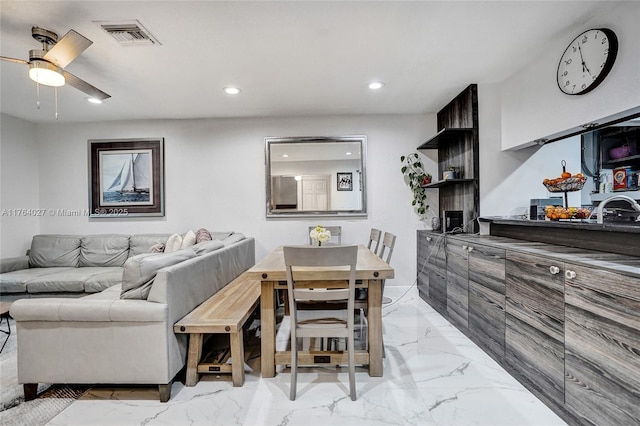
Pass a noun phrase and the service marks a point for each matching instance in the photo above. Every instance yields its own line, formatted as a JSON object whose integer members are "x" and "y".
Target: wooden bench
{"x": 224, "y": 312}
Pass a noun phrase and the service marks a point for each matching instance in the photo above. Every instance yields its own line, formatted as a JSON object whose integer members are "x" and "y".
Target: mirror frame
{"x": 271, "y": 141}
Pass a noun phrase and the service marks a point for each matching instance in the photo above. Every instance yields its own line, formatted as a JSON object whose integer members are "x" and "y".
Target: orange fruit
{"x": 566, "y": 175}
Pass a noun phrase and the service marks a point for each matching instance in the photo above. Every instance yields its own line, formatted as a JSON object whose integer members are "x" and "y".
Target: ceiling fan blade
{"x": 67, "y": 49}
{"x": 17, "y": 61}
{"x": 83, "y": 86}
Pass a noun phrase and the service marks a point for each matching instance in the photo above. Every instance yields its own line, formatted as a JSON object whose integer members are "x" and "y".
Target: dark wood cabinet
{"x": 432, "y": 270}
{"x": 457, "y": 143}
{"x": 487, "y": 298}
{"x": 534, "y": 339}
{"x": 458, "y": 283}
{"x": 602, "y": 346}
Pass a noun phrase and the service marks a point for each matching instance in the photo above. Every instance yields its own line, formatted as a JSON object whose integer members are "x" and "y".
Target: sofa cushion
{"x": 103, "y": 278}
{"x": 174, "y": 242}
{"x": 141, "y": 243}
{"x": 188, "y": 240}
{"x": 139, "y": 271}
{"x": 61, "y": 280}
{"x": 104, "y": 250}
{"x": 221, "y": 235}
{"x": 54, "y": 250}
{"x": 16, "y": 281}
{"x": 233, "y": 238}
{"x": 207, "y": 246}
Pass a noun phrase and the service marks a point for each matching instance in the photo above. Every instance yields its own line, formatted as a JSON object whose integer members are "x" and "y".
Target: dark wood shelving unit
{"x": 447, "y": 182}
{"x": 445, "y": 136}
{"x": 457, "y": 143}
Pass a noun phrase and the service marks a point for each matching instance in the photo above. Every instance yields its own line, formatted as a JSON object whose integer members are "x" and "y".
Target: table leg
{"x": 374, "y": 306}
{"x": 193, "y": 358}
{"x": 237, "y": 358}
{"x": 267, "y": 329}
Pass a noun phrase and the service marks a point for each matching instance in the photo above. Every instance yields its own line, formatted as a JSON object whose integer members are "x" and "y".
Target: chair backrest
{"x": 336, "y": 234}
{"x": 297, "y": 256}
{"x": 388, "y": 241}
{"x": 374, "y": 237}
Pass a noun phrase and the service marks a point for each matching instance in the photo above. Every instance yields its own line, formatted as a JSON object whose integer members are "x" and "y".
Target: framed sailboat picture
{"x": 126, "y": 177}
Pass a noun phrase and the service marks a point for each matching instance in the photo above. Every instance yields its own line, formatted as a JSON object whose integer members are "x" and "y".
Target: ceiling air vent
{"x": 129, "y": 33}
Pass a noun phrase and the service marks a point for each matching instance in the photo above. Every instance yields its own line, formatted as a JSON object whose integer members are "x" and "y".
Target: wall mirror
{"x": 316, "y": 176}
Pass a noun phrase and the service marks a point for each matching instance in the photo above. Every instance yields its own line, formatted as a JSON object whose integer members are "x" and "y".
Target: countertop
{"x": 618, "y": 263}
{"x": 582, "y": 225}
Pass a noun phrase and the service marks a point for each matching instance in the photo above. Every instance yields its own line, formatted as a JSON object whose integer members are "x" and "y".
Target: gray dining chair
{"x": 336, "y": 234}
{"x": 374, "y": 237}
{"x": 388, "y": 242}
{"x": 308, "y": 323}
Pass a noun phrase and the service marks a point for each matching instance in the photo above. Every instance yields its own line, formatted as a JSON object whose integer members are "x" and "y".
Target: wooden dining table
{"x": 370, "y": 273}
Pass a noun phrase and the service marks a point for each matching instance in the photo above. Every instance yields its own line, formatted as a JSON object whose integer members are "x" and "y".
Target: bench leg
{"x": 237, "y": 358}
{"x": 165, "y": 392}
{"x": 30, "y": 391}
{"x": 193, "y": 358}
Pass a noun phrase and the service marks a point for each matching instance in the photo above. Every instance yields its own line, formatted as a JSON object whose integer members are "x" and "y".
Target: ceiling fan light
{"x": 94, "y": 100}
{"x": 45, "y": 73}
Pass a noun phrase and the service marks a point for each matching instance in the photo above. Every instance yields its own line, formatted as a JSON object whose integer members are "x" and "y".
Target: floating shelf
{"x": 624, "y": 159}
{"x": 600, "y": 197}
{"x": 447, "y": 182}
{"x": 444, "y": 136}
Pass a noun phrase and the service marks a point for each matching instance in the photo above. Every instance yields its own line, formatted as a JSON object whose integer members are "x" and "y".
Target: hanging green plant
{"x": 416, "y": 178}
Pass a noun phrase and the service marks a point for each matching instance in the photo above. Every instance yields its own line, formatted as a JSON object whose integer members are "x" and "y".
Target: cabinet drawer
{"x": 535, "y": 293}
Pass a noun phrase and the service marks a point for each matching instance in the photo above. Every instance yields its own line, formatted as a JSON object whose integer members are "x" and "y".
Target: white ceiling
{"x": 289, "y": 58}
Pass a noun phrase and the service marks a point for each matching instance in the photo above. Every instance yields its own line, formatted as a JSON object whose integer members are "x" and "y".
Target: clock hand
{"x": 584, "y": 66}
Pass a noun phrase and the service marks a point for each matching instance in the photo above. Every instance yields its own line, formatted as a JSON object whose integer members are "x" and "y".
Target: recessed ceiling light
{"x": 347, "y": 153}
{"x": 375, "y": 85}
{"x": 230, "y": 90}
{"x": 285, "y": 155}
{"x": 94, "y": 100}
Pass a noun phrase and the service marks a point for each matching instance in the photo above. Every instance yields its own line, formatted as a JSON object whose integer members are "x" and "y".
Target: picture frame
{"x": 126, "y": 177}
{"x": 345, "y": 181}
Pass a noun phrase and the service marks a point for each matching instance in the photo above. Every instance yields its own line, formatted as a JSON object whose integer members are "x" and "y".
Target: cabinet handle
{"x": 464, "y": 247}
{"x": 470, "y": 248}
{"x": 570, "y": 275}
{"x": 428, "y": 238}
{"x": 554, "y": 269}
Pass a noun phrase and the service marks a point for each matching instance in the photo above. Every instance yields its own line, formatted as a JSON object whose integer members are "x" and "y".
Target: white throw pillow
{"x": 173, "y": 243}
{"x": 188, "y": 240}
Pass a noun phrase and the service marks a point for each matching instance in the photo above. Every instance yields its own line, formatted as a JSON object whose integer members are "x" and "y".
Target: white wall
{"x": 532, "y": 105}
{"x": 509, "y": 179}
{"x": 214, "y": 178}
{"x": 19, "y": 188}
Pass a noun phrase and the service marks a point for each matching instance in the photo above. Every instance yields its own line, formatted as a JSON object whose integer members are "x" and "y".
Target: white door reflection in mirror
{"x": 302, "y": 176}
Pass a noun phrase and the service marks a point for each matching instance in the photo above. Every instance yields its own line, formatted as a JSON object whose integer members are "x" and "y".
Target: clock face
{"x": 587, "y": 61}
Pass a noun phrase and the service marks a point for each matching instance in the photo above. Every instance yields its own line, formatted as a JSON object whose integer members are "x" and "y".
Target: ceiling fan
{"x": 46, "y": 66}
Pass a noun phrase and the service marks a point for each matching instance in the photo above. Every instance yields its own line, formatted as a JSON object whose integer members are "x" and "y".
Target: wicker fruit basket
{"x": 565, "y": 185}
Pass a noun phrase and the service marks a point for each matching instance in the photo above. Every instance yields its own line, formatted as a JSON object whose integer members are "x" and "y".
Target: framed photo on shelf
{"x": 345, "y": 181}
{"x": 126, "y": 177}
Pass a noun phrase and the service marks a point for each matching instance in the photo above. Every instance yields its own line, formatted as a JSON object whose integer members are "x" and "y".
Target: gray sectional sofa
{"x": 122, "y": 334}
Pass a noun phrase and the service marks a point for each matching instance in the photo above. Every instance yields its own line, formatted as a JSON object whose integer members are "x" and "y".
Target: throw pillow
{"x": 140, "y": 271}
{"x": 188, "y": 240}
{"x": 157, "y": 248}
{"x": 173, "y": 243}
{"x": 202, "y": 235}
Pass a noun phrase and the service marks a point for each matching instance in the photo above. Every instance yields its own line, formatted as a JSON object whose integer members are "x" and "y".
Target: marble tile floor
{"x": 433, "y": 375}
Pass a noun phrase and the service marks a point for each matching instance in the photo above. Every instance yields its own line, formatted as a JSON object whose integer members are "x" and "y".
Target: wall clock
{"x": 587, "y": 61}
